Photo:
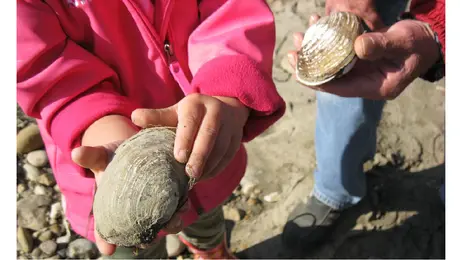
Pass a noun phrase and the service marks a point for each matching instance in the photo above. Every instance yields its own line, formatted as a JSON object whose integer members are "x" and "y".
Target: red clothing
{"x": 432, "y": 12}
{"x": 81, "y": 61}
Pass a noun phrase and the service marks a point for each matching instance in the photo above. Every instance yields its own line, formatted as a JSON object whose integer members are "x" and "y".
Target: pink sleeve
{"x": 231, "y": 54}
{"x": 58, "y": 81}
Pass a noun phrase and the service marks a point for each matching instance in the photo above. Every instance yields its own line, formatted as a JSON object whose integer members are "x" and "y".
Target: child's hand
{"x": 95, "y": 154}
{"x": 209, "y": 131}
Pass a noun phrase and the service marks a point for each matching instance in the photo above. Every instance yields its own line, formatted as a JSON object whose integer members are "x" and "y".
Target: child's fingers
{"x": 235, "y": 144}
{"x": 93, "y": 158}
{"x": 219, "y": 151}
{"x": 104, "y": 247}
{"x": 144, "y": 117}
{"x": 189, "y": 116}
{"x": 204, "y": 141}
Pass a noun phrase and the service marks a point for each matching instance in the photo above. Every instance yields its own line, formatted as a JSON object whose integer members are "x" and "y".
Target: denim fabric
{"x": 345, "y": 136}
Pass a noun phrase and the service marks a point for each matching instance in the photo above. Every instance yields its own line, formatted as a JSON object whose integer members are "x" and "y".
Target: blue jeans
{"x": 346, "y": 136}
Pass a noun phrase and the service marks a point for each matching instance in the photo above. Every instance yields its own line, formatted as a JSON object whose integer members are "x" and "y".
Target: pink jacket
{"x": 79, "y": 60}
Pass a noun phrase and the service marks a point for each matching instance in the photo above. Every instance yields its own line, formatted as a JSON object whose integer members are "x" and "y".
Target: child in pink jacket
{"x": 93, "y": 72}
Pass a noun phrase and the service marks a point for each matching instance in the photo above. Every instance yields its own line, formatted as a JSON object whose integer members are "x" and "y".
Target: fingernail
{"x": 182, "y": 156}
{"x": 190, "y": 171}
{"x": 133, "y": 118}
{"x": 365, "y": 47}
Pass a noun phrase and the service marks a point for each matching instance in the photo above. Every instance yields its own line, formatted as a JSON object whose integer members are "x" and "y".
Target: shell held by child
{"x": 327, "y": 50}
{"x": 140, "y": 190}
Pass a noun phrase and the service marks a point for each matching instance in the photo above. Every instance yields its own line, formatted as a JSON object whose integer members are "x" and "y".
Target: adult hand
{"x": 97, "y": 157}
{"x": 209, "y": 131}
{"x": 363, "y": 8}
{"x": 389, "y": 61}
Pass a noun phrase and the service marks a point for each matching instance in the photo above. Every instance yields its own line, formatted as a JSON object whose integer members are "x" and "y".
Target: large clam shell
{"x": 327, "y": 49}
{"x": 140, "y": 190}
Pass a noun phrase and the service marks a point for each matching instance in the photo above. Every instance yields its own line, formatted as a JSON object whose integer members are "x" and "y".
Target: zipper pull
{"x": 169, "y": 52}
{"x": 175, "y": 69}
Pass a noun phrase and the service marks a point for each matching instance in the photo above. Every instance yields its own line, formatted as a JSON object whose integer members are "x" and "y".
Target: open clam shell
{"x": 328, "y": 48}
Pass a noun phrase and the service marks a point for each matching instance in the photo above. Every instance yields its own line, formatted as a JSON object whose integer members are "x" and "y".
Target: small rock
{"x": 286, "y": 66}
{"x": 54, "y": 257}
{"x": 53, "y": 221}
{"x": 25, "y": 239}
{"x": 248, "y": 184}
{"x": 56, "y": 188}
{"x": 21, "y": 187}
{"x": 26, "y": 193}
{"x": 32, "y": 211}
{"x": 233, "y": 214}
{"x": 32, "y": 172}
{"x": 36, "y": 234}
{"x": 48, "y": 247}
{"x": 236, "y": 193}
{"x": 56, "y": 210}
{"x": 380, "y": 160}
{"x": 28, "y": 139}
{"x": 56, "y": 229}
{"x": 253, "y": 201}
{"x": 45, "y": 236}
{"x": 367, "y": 166}
{"x": 81, "y": 248}
{"x": 46, "y": 179}
{"x": 42, "y": 190}
{"x": 63, "y": 239}
{"x": 253, "y": 196}
{"x": 62, "y": 253}
{"x": 277, "y": 6}
{"x": 36, "y": 253}
{"x": 272, "y": 197}
{"x": 37, "y": 158}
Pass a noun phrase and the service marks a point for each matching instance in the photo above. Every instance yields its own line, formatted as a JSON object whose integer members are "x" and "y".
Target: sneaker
{"x": 219, "y": 252}
{"x": 309, "y": 225}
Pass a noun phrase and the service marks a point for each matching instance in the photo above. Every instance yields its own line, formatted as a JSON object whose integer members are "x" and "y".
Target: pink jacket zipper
{"x": 175, "y": 69}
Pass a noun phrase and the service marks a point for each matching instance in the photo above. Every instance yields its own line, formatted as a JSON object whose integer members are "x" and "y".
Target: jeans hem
{"x": 333, "y": 203}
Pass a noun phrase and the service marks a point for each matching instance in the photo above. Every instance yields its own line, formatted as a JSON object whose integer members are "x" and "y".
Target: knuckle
{"x": 209, "y": 130}
{"x": 194, "y": 97}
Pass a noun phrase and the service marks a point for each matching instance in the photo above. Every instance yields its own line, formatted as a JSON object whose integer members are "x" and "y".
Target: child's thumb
{"x": 93, "y": 158}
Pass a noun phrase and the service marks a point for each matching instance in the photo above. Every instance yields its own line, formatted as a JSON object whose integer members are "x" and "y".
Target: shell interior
{"x": 328, "y": 48}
